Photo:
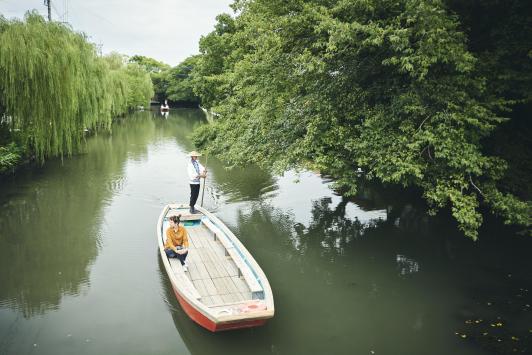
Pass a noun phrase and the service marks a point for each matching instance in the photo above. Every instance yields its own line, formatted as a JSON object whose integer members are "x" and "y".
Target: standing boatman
{"x": 196, "y": 171}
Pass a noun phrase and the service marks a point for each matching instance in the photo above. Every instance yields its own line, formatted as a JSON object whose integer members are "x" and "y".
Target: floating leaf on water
{"x": 463, "y": 336}
{"x": 515, "y": 338}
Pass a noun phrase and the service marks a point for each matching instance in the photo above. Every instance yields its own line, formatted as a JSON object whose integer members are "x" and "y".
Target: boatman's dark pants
{"x": 194, "y": 193}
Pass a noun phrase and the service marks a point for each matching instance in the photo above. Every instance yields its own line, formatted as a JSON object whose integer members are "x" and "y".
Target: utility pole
{"x": 49, "y": 4}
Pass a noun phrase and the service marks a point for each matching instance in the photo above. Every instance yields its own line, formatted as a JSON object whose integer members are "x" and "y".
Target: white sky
{"x": 167, "y": 30}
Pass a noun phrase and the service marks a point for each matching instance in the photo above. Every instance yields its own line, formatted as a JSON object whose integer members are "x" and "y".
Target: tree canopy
{"x": 404, "y": 90}
{"x": 176, "y": 83}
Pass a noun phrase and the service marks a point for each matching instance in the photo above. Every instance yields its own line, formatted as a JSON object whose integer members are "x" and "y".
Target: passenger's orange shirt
{"x": 174, "y": 239}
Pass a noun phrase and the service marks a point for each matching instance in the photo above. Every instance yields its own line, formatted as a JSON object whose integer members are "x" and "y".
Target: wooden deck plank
{"x": 218, "y": 264}
{"x": 193, "y": 257}
{"x": 230, "y": 285}
{"x": 183, "y": 279}
{"x": 213, "y": 274}
{"x": 240, "y": 284}
{"x": 203, "y": 254}
{"x": 217, "y": 299}
{"x": 239, "y": 296}
{"x": 204, "y": 274}
{"x": 217, "y": 248}
{"x": 247, "y": 296}
{"x": 202, "y": 237}
{"x": 229, "y": 297}
{"x": 213, "y": 270}
{"x": 193, "y": 271}
{"x": 220, "y": 286}
{"x": 200, "y": 287}
{"x": 204, "y": 233}
{"x": 191, "y": 238}
{"x": 209, "y": 286}
{"x": 230, "y": 267}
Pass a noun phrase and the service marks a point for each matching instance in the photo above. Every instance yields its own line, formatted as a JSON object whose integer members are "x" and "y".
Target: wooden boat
{"x": 224, "y": 287}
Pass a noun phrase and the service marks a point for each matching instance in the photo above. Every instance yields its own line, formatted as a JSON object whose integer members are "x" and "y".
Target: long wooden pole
{"x": 205, "y": 178}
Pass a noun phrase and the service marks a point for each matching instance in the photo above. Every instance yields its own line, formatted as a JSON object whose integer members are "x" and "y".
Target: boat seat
{"x": 218, "y": 235}
{"x": 243, "y": 270}
{"x": 183, "y": 280}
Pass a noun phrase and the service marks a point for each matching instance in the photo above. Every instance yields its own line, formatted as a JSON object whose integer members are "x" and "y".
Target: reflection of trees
{"x": 242, "y": 184}
{"x": 404, "y": 208}
{"x": 396, "y": 278}
{"x": 335, "y": 229}
{"x": 51, "y": 217}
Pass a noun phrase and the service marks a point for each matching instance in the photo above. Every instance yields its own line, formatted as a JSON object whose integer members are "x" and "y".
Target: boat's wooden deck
{"x": 214, "y": 275}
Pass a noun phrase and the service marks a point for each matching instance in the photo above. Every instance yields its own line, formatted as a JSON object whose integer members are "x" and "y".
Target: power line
{"x": 65, "y": 13}
{"x": 56, "y": 11}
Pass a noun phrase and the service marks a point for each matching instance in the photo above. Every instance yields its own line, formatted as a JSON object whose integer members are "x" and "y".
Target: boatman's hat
{"x": 194, "y": 154}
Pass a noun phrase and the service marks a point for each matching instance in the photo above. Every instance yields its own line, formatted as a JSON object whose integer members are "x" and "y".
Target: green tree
{"x": 54, "y": 86}
{"x": 149, "y": 64}
{"x": 180, "y": 85}
{"x": 387, "y": 86}
{"x": 140, "y": 87}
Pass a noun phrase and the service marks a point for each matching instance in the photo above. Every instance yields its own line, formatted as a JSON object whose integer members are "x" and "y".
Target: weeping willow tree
{"x": 53, "y": 85}
{"x": 131, "y": 84}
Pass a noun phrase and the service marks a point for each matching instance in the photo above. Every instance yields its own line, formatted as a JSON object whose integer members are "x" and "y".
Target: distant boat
{"x": 224, "y": 287}
{"x": 165, "y": 107}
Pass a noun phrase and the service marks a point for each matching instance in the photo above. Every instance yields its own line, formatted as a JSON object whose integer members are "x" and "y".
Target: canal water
{"x": 80, "y": 271}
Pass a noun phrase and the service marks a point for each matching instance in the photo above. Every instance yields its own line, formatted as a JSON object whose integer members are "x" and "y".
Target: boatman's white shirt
{"x": 193, "y": 175}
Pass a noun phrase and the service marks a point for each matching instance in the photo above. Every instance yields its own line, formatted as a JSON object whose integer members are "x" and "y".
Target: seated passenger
{"x": 176, "y": 245}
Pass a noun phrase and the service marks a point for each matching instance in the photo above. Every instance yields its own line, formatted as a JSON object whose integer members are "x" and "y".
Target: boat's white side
{"x": 252, "y": 306}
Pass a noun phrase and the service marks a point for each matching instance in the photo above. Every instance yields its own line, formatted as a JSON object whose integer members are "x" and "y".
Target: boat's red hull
{"x": 205, "y": 322}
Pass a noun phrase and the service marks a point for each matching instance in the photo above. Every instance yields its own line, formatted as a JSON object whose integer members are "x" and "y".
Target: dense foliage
{"x": 149, "y": 64}
{"x": 53, "y": 86}
{"x": 175, "y": 83}
{"x": 402, "y": 89}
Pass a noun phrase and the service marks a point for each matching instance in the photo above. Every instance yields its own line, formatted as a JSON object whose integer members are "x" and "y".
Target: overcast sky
{"x": 167, "y": 30}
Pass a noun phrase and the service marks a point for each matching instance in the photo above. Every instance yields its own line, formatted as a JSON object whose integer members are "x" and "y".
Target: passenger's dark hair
{"x": 176, "y": 219}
